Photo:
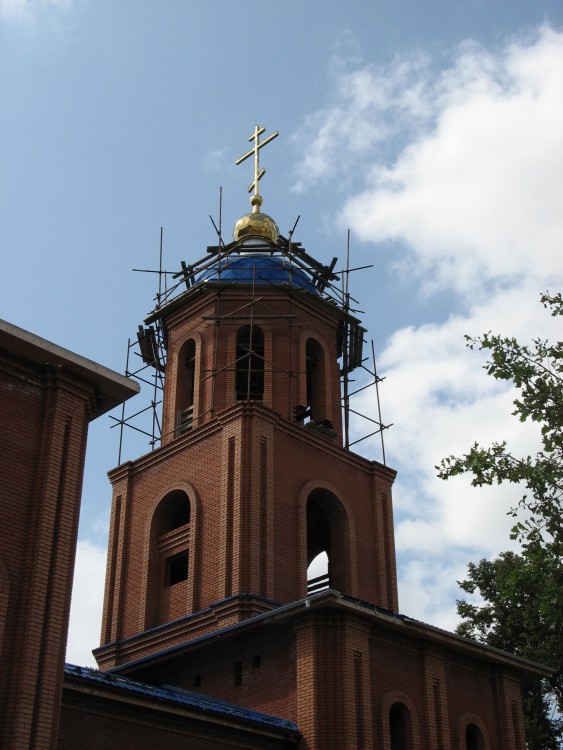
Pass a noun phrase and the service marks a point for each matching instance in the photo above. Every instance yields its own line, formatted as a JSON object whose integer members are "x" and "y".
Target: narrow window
{"x": 238, "y": 673}
{"x": 172, "y": 513}
{"x": 473, "y": 738}
{"x": 176, "y": 569}
{"x": 327, "y": 543}
{"x": 171, "y": 563}
{"x": 185, "y": 388}
{"x": 181, "y": 517}
{"x": 315, "y": 376}
{"x": 256, "y": 661}
{"x": 249, "y": 378}
{"x": 398, "y": 727}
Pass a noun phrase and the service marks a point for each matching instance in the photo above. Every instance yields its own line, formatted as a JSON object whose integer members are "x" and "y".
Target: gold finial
{"x": 256, "y": 200}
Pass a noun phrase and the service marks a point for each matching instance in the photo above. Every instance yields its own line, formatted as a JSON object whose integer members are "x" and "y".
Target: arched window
{"x": 173, "y": 512}
{"x": 172, "y": 576}
{"x": 315, "y": 374}
{"x": 326, "y": 542}
{"x": 171, "y": 559}
{"x": 185, "y": 388}
{"x": 474, "y": 738}
{"x": 249, "y": 378}
{"x": 400, "y": 730}
{"x": 172, "y": 537}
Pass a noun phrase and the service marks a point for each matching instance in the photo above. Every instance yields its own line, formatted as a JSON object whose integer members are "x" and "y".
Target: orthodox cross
{"x": 258, "y": 173}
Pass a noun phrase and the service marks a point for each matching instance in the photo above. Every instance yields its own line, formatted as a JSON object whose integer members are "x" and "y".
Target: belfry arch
{"x": 315, "y": 371}
{"x": 186, "y": 386}
{"x": 328, "y": 531}
{"x": 171, "y": 568}
{"x": 249, "y": 378}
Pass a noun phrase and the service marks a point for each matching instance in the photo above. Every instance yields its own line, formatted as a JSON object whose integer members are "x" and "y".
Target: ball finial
{"x": 256, "y": 225}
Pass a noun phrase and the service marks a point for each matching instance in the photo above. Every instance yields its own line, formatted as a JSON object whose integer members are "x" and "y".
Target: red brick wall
{"x": 43, "y": 418}
{"x": 248, "y": 470}
{"x": 248, "y": 475}
{"x": 337, "y": 675}
{"x": 257, "y": 671}
{"x": 213, "y": 319}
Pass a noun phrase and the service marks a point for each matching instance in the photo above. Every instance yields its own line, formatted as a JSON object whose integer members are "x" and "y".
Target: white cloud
{"x": 427, "y": 587}
{"x": 368, "y": 105}
{"x": 87, "y": 602}
{"x": 468, "y": 180}
{"x": 478, "y": 196}
{"x": 28, "y": 10}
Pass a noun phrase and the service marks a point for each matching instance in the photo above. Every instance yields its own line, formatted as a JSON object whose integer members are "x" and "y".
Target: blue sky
{"x": 432, "y": 130}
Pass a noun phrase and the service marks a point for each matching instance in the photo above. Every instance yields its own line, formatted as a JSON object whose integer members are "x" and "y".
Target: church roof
{"x": 112, "y": 388}
{"x": 176, "y": 696}
{"x": 258, "y": 269}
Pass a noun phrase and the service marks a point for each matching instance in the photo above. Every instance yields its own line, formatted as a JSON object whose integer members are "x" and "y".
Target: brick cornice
{"x": 248, "y": 410}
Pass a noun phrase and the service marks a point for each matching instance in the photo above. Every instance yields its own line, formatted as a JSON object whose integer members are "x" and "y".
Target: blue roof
{"x": 185, "y": 697}
{"x": 262, "y": 269}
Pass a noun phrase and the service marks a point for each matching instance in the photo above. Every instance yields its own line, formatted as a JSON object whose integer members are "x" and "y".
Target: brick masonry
{"x": 211, "y": 535}
{"x": 241, "y": 626}
{"x": 47, "y": 398}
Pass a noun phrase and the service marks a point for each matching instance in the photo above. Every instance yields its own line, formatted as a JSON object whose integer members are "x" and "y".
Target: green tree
{"x": 518, "y": 615}
{"x": 522, "y": 610}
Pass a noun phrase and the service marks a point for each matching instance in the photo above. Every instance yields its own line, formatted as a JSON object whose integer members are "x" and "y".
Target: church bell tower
{"x": 210, "y": 588}
{"x": 251, "y": 481}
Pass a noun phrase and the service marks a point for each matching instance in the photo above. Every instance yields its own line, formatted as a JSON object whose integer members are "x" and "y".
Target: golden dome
{"x": 256, "y": 225}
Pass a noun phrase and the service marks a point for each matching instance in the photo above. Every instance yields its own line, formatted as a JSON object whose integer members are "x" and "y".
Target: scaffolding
{"x": 146, "y": 352}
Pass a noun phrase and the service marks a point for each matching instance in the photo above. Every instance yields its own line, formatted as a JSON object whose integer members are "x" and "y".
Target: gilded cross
{"x": 255, "y": 150}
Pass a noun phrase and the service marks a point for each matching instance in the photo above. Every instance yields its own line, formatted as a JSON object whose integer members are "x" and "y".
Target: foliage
{"x": 537, "y": 372}
{"x": 519, "y": 616}
{"x": 523, "y": 594}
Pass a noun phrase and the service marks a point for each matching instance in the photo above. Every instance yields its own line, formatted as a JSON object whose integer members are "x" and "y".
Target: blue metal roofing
{"x": 260, "y": 269}
{"x": 187, "y": 698}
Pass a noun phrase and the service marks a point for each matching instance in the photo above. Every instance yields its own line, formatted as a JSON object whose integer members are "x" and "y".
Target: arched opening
{"x": 400, "y": 727}
{"x": 474, "y": 738}
{"x": 316, "y": 380}
{"x": 173, "y": 512}
{"x": 170, "y": 564}
{"x": 249, "y": 377}
{"x": 185, "y": 388}
{"x": 326, "y": 542}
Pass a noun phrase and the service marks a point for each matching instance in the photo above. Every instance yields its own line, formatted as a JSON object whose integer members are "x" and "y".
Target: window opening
{"x": 173, "y": 512}
{"x": 473, "y": 738}
{"x": 186, "y": 387}
{"x": 182, "y": 516}
{"x": 176, "y": 569}
{"x": 256, "y": 661}
{"x": 314, "y": 359}
{"x": 326, "y": 542}
{"x": 398, "y": 727}
{"x": 238, "y": 673}
{"x": 170, "y": 558}
{"x": 249, "y": 378}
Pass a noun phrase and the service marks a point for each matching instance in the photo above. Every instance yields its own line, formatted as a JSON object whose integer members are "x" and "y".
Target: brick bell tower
{"x": 251, "y": 481}
{"x": 212, "y": 534}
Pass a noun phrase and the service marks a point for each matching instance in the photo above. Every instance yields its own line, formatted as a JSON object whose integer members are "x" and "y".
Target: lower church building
{"x": 214, "y": 634}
